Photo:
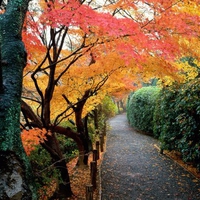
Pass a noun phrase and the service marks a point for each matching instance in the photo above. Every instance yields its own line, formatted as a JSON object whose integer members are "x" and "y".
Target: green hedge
{"x": 177, "y": 120}
{"x": 128, "y": 110}
{"x": 140, "y": 108}
{"x": 172, "y": 114}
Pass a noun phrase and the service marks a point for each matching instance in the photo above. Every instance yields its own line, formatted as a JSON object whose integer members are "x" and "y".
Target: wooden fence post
{"x": 101, "y": 142}
{"x": 97, "y": 132}
{"x": 102, "y": 134}
{"x": 97, "y": 148}
{"x": 93, "y": 173}
{"x": 104, "y": 129}
{"x": 89, "y": 192}
{"x": 94, "y": 155}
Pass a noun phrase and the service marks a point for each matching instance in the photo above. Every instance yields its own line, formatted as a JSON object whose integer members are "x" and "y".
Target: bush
{"x": 98, "y": 117}
{"x": 140, "y": 108}
{"x": 46, "y": 174}
{"x": 128, "y": 110}
{"x": 109, "y": 108}
{"x": 177, "y": 120}
{"x": 68, "y": 147}
{"x": 173, "y": 114}
{"x": 106, "y": 110}
{"x": 164, "y": 118}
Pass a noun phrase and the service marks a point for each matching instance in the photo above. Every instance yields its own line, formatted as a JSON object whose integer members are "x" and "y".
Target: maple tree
{"x": 79, "y": 51}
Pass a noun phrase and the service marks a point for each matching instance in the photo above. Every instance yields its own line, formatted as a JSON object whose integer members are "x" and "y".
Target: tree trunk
{"x": 80, "y": 125}
{"x": 86, "y": 141}
{"x": 96, "y": 119}
{"x": 73, "y": 135}
{"x": 16, "y": 178}
{"x": 52, "y": 146}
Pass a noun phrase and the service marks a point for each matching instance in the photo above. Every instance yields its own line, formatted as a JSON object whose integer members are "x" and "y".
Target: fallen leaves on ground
{"x": 80, "y": 177}
{"x": 174, "y": 155}
{"x": 188, "y": 166}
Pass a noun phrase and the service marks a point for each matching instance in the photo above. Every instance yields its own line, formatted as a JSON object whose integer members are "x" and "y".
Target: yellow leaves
{"x": 42, "y": 4}
{"x": 165, "y": 81}
{"x": 187, "y": 72}
{"x": 33, "y": 137}
{"x": 85, "y": 76}
{"x": 157, "y": 67}
{"x": 191, "y": 7}
{"x": 108, "y": 52}
{"x": 41, "y": 80}
{"x": 190, "y": 47}
{"x": 166, "y": 71}
{"x": 27, "y": 81}
{"x": 92, "y": 102}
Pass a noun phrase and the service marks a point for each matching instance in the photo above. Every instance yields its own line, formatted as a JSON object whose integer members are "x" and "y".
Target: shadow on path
{"x": 133, "y": 169}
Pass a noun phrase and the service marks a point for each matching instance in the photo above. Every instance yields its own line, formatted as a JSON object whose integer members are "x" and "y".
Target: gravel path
{"x": 133, "y": 169}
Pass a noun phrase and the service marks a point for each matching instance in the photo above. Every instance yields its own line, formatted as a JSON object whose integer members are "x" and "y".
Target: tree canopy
{"x": 135, "y": 41}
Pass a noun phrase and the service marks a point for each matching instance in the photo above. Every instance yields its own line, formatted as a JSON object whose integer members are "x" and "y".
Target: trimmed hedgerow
{"x": 140, "y": 108}
{"x": 177, "y": 120}
{"x": 128, "y": 112}
{"x": 172, "y": 114}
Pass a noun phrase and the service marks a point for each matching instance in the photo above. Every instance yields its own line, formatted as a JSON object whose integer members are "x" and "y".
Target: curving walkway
{"x": 133, "y": 169}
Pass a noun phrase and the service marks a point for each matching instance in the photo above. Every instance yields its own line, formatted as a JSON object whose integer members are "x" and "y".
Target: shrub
{"x": 141, "y": 107}
{"x": 109, "y": 108}
{"x": 173, "y": 114}
{"x": 46, "y": 174}
{"x": 98, "y": 117}
{"x": 106, "y": 110}
{"x": 68, "y": 147}
{"x": 177, "y": 120}
{"x": 128, "y": 110}
{"x": 164, "y": 118}
{"x": 160, "y": 115}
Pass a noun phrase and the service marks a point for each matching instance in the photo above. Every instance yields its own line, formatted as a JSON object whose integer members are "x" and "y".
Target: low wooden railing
{"x": 92, "y": 186}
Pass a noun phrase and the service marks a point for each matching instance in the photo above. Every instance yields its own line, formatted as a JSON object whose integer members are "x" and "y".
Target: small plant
{"x": 47, "y": 176}
{"x": 44, "y": 172}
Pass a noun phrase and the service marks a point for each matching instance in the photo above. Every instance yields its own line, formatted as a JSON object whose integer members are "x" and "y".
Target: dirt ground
{"x": 80, "y": 177}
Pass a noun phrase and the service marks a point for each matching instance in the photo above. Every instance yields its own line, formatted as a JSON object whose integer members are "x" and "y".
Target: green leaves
{"x": 178, "y": 118}
{"x": 172, "y": 114}
{"x": 141, "y": 108}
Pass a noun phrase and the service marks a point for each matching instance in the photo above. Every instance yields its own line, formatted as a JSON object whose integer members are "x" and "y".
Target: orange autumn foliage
{"x": 132, "y": 41}
{"x": 33, "y": 137}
